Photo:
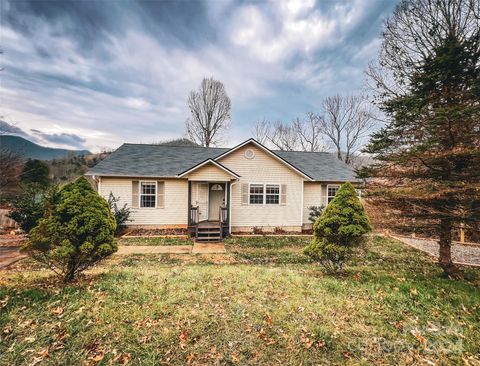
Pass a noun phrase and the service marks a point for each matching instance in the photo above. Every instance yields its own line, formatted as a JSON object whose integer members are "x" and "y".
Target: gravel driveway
{"x": 461, "y": 254}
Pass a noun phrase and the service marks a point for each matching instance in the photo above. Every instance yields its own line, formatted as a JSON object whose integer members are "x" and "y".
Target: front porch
{"x": 209, "y": 210}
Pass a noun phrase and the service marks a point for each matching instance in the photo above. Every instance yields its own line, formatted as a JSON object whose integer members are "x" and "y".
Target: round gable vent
{"x": 249, "y": 154}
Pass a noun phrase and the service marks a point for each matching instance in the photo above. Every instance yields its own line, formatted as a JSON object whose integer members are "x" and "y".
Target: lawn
{"x": 263, "y": 303}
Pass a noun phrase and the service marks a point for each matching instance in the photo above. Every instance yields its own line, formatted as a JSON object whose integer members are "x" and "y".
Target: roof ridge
{"x": 188, "y": 147}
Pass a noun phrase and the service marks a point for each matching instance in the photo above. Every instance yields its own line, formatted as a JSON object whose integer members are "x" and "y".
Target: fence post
{"x": 462, "y": 232}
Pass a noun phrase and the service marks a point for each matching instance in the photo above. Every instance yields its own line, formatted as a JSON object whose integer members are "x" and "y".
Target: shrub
{"x": 121, "y": 214}
{"x": 341, "y": 227}
{"x": 315, "y": 212}
{"x": 75, "y": 233}
{"x": 30, "y": 206}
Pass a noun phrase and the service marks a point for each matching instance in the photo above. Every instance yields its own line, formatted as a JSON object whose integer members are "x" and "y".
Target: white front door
{"x": 202, "y": 201}
{"x": 216, "y": 199}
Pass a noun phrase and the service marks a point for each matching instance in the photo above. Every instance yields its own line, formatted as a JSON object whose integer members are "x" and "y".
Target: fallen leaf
{"x": 235, "y": 357}
{"x": 58, "y": 310}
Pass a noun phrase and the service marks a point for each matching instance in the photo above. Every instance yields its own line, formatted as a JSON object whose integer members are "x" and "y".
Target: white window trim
{"x": 140, "y": 194}
{"x": 333, "y": 186}
{"x": 265, "y": 194}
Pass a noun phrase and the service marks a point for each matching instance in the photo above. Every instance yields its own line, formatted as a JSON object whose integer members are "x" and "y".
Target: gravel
{"x": 462, "y": 254}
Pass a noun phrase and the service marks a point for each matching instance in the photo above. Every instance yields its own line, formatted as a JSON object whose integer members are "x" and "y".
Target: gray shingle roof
{"x": 144, "y": 160}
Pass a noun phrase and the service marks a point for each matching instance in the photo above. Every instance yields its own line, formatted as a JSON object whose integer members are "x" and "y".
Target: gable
{"x": 209, "y": 171}
{"x": 253, "y": 145}
{"x": 262, "y": 163}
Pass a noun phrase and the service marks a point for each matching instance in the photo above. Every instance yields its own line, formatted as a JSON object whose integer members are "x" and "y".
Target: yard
{"x": 263, "y": 302}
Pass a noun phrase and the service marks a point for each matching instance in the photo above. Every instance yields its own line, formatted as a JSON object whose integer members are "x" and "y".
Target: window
{"x": 264, "y": 194}
{"x": 331, "y": 192}
{"x": 256, "y": 194}
{"x": 272, "y": 192}
{"x": 148, "y": 194}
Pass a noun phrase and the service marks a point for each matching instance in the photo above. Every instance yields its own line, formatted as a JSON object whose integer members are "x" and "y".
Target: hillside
{"x": 28, "y": 149}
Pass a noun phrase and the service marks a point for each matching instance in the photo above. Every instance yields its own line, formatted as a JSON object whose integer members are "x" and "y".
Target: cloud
{"x": 114, "y": 72}
{"x": 65, "y": 139}
{"x": 10, "y": 129}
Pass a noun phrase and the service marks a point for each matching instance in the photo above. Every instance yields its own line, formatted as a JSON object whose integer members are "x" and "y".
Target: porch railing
{"x": 193, "y": 215}
{"x": 223, "y": 215}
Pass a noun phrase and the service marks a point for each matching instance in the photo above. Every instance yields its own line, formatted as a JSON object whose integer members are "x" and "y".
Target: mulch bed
{"x": 155, "y": 232}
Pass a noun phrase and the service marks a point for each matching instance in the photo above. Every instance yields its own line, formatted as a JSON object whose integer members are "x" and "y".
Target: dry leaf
{"x": 235, "y": 357}
{"x": 58, "y": 310}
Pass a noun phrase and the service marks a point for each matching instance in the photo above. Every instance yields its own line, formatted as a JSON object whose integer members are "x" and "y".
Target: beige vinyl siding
{"x": 264, "y": 168}
{"x": 175, "y": 197}
{"x": 313, "y": 195}
{"x": 210, "y": 172}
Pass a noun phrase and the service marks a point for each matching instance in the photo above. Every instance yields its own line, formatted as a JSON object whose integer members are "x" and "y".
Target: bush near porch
{"x": 258, "y": 304}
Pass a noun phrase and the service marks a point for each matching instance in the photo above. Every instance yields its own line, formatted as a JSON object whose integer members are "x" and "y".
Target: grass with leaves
{"x": 256, "y": 305}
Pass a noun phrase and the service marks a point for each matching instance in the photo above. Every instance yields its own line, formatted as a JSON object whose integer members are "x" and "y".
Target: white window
{"x": 268, "y": 194}
{"x": 148, "y": 194}
{"x": 272, "y": 194}
{"x": 331, "y": 192}
{"x": 256, "y": 194}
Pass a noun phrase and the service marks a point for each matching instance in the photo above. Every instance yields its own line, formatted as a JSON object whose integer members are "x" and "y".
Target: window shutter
{"x": 160, "y": 194}
{"x": 135, "y": 194}
{"x": 283, "y": 194}
{"x": 244, "y": 193}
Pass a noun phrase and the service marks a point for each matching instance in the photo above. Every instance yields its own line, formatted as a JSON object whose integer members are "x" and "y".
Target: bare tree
{"x": 413, "y": 33}
{"x": 210, "y": 113}
{"x": 346, "y": 121}
{"x": 261, "y": 131}
{"x": 309, "y": 133}
{"x": 300, "y": 134}
{"x": 10, "y": 169}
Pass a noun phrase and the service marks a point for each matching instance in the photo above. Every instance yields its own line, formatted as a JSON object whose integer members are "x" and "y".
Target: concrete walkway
{"x": 197, "y": 248}
{"x": 208, "y": 248}
{"x": 154, "y": 249}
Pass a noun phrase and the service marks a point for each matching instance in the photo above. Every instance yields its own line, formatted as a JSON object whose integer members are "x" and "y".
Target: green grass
{"x": 155, "y": 241}
{"x": 256, "y": 305}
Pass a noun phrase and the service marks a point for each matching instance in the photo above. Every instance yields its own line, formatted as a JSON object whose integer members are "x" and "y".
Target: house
{"x": 216, "y": 191}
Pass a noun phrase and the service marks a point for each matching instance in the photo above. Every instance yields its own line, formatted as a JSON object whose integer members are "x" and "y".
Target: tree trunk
{"x": 445, "y": 253}
{"x": 70, "y": 274}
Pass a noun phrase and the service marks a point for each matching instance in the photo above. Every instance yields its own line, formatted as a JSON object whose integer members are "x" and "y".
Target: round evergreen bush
{"x": 341, "y": 227}
{"x": 75, "y": 233}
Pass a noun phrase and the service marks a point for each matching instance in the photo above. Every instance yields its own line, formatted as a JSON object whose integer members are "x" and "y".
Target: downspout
{"x": 230, "y": 209}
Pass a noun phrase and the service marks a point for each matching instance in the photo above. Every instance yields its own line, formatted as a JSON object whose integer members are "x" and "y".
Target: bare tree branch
{"x": 210, "y": 113}
{"x": 346, "y": 121}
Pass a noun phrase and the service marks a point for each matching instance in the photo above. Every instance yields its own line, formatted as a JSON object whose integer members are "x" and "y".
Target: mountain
{"x": 29, "y": 150}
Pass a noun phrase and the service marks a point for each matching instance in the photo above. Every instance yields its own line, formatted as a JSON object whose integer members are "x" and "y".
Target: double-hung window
{"x": 148, "y": 194}
{"x": 256, "y": 194}
{"x": 331, "y": 192}
{"x": 272, "y": 194}
{"x": 268, "y": 194}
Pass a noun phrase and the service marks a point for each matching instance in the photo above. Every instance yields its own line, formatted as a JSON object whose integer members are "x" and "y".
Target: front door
{"x": 202, "y": 201}
{"x": 217, "y": 199}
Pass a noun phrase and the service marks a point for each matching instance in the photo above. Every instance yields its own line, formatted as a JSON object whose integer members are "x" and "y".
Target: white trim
{"x": 155, "y": 195}
{"x": 99, "y": 184}
{"x": 218, "y": 165}
{"x": 267, "y": 151}
{"x": 230, "y": 208}
{"x": 327, "y": 196}
{"x": 265, "y": 194}
{"x": 301, "y": 206}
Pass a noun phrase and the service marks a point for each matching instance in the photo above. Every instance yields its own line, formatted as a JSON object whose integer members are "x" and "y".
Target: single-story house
{"x": 216, "y": 191}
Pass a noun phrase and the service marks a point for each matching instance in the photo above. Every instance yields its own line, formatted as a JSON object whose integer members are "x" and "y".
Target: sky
{"x": 96, "y": 74}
